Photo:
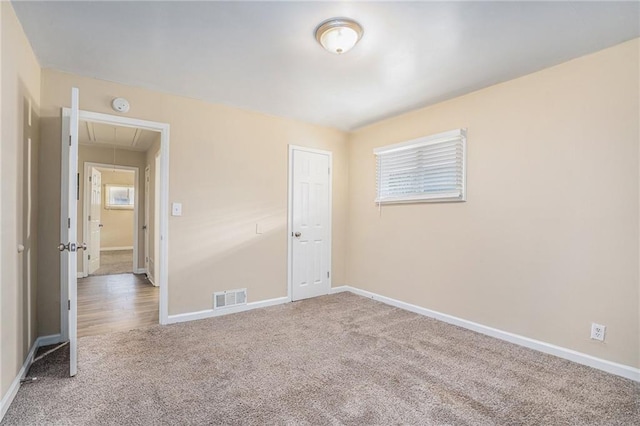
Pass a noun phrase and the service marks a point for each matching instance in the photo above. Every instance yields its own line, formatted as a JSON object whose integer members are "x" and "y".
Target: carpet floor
{"x": 115, "y": 262}
{"x": 338, "y": 359}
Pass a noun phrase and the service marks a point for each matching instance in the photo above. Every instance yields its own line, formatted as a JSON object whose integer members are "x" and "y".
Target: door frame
{"x": 147, "y": 209}
{"x": 290, "y": 215}
{"x": 156, "y": 217}
{"x": 86, "y": 205}
{"x": 163, "y": 280}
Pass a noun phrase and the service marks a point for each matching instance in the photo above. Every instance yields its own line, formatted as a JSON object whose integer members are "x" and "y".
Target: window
{"x": 427, "y": 169}
{"x": 119, "y": 197}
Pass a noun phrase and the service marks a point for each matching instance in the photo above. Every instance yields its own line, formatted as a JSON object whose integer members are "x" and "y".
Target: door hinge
{"x": 89, "y": 178}
{"x": 69, "y": 140}
{"x": 328, "y": 274}
{"x": 69, "y": 222}
{"x": 69, "y": 305}
{"x": 329, "y": 170}
{"x": 89, "y": 218}
{"x": 89, "y": 257}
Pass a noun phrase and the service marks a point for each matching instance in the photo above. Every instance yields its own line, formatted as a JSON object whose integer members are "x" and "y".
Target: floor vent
{"x": 226, "y": 299}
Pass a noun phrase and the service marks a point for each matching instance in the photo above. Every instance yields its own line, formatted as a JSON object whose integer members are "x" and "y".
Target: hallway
{"x": 115, "y": 262}
{"x": 108, "y": 303}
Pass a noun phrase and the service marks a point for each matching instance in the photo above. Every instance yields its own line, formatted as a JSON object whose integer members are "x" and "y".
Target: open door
{"x": 95, "y": 207}
{"x": 68, "y": 211}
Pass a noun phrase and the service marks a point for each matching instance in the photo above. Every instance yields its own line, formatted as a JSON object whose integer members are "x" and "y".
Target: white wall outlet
{"x": 258, "y": 228}
{"x": 597, "y": 331}
{"x": 176, "y": 209}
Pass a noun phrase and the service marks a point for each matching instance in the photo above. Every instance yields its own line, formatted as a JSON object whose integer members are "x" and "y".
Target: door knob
{"x": 82, "y": 246}
{"x": 70, "y": 246}
{"x": 100, "y": 225}
{"x": 297, "y": 234}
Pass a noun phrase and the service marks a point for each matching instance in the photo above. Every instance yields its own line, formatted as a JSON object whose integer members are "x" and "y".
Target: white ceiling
{"x": 263, "y": 55}
{"x": 107, "y": 135}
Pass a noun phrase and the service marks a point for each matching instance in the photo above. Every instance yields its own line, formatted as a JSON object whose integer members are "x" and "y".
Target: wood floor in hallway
{"x": 109, "y": 303}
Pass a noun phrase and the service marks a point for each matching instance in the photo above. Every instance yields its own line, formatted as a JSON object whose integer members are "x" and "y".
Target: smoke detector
{"x": 120, "y": 105}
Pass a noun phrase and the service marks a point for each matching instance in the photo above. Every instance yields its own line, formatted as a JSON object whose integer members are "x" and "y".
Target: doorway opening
{"x": 109, "y": 225}
{"x": 113, "y": 139}
{"x": 117, "y": 289}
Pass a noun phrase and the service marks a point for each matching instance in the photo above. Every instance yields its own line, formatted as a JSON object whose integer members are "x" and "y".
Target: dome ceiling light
{"x": 339, "y": 35}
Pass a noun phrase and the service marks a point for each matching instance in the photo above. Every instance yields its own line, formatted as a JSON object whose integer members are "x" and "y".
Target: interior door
{"x": 95, "y": 227}
{"x": 147, "y": 182}
{"x": 311, "y": 249}
{"x": 68, "y": 206}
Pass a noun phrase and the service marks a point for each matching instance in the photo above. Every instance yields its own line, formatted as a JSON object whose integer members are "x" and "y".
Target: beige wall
{"x": 102, "y": 155}
{"x": 228, "y": 168}
{"x": 117, "y": 224}
{"x": 20, "y": 97}
{"x": 548, "y": 239}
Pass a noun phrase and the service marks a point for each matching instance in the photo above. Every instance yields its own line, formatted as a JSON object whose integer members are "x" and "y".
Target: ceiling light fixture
{"x": 339, "y": 35}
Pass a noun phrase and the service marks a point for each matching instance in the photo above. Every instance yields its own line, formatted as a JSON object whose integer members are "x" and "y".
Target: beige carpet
{"x": 115, "y": 262}
{"x": 339, "y": 359}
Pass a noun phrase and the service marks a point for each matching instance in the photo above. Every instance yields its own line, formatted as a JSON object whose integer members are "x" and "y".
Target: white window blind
{"x": 431, "y": 168}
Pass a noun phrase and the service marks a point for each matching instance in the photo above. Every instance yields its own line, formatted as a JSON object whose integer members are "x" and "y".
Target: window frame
{"x": 107, "y": 196}
{"x": 426, "y": 197}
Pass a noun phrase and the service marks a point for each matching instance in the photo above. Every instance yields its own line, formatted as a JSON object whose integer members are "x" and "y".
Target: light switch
{"x": 258, "y": 228}
{"x": 176, "y": 209}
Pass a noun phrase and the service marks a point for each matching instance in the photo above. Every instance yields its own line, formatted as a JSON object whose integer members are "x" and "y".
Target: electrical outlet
{"x": 597, "y": 331}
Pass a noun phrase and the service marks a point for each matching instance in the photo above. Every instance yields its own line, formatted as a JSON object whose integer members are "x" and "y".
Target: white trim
{"x": 290, "y": 214}
{"x": 147, "y": 211}
{"x": 151, "y": 280}
{"x": 8, "y": 398}
{"x": 116, "y": 248}
{"x": 51, "y": 339}
{"x": 163, "y": 153}
{"x": 156, "y": 218}
{"x": 209, "y": 313}
{"x": 140, "y": 271}
{"x": 451, "y": 135}
{"x": 15, "y": 385}
{"x": 548, "y": 348}
{"x": 86, "y": 206}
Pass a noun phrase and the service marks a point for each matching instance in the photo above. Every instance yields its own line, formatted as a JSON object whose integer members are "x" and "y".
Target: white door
{"x": 147, "y": 177}
{"x": 68, "y": 234}
{"x": 95, "y": 207}
{"x": 310, "y": 224}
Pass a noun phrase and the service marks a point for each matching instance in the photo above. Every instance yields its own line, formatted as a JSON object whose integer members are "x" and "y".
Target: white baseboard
{"x": 152, "y": 280}
{"x": 140, "y": 271}
{"x": 340, "y": 289}
{"x": 82, "y": 275}
{"x": 116, "y": 248}
{"x": 7, "y": 399}
{"x": 548, "y": 348}
{"x": 209, "y": 313}
{"x": 49, "y": 340}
